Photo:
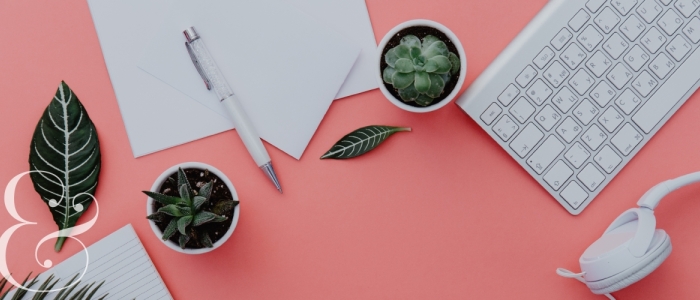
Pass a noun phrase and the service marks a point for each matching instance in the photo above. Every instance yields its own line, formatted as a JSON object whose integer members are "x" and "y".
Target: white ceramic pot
{"x": 462, "y": 70}
{"x": 156, "y": 188}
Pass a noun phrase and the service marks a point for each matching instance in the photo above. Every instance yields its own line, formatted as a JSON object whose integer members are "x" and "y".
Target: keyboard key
{"x": 610, "y": 119}
{"x": 561, "y": 39}
{"x": 607, "y": 20}
{"x": 619, "y": 76}
{"x": 548, "y": 117}
{"x": 508, "y": 95}
{"x": 543, "y": 58}
{"x": 558, "y": 175}
{"x": 574, "y": 194}
{"x": 573, "y": 56}
{"x": 636, "y": 58}
{"x": 615, "y": 46}
{"x": 591, "y": 177}
{"x": 607, "y": 159}
{"x": 670, "y": 22}
{"x": 653, "y": 40}
{"x": 666, "y": 2}
{"x": 590, "y": 38}
{"x": 556, "y": 74}
{"x": 632, "y": 28}
{"x": 505, "y": 128}
{"x": 628, "y": 101}
{"x": 678, "y": 48}
{"x": 661, "y": 66}
{"x": 692, "y": 30}
{"x": 624, "y": 6}
{"x": 565, "y": 99}
{"x": 526, "y": 76}
{"x": 569, "y": 129}
{"x": 644, "y": 84}
{"x": 579, "y": 20}
{"x": 522, "y": 110}
{"x": 594, "y": 137}
{"x": 649, "y": 10}
{"x": 491, "y": 113}
{"x": 594, "y": 5}
{"x": 602, "y": 94}
{"x": 585, "y": 112}
{"x": 687, "y": 7}
{"x": 545, "y": 154}
{"x": 539, "y": 92}
{"x": 626, "y": 139}
{"x": 526, "y": 140}
{"x": 599, "y": 63}
{"x": 577, "y": 155}
{"x": 582, "y": 81}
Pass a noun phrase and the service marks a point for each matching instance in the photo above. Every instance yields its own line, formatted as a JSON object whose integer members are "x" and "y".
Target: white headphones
{"x": 631, "y": 248}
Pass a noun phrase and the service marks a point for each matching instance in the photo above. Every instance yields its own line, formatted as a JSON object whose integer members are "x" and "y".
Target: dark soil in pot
{"x": 220, "y": 191}
{"x": 420, "y": 32}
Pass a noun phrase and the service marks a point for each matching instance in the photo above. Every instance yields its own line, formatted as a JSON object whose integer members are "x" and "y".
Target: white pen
{"x": 213, "y": 79}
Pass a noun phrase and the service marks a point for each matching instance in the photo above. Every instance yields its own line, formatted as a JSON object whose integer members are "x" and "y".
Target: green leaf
{"x": 427, "y": 41}
{"x": 187, "y": 194}
{"x": 402, "y": 80}
{"x": 204, "y": 217}
{"x": 419, "y": 60}
{"x": 422, "y": 82}
{"x": 408, "y": 94}
{"x": 388, "y": 74}
{"x": 163, "y": 198}
{"x": 182, "y": 223}
{"x": 64, "y": 292}
{"x": 205, "y": 190}
{"x": 171, "y": 210}
{"x": 198, "y": 201}
{"x": 437, "y": 48}
{"x": 66, "y": 150}
{"x": 403, "y": 51}
{"x": 391, "y": 57}
{"x": 431, "y": 66}
{"x": 404, "y": 65}
{"x": 443, "y": 64}
{"x": 92, "y": 293}
{"x": 410, "y": 41}
{"x": 415, "y": 52}
{"x": 223, "y": 207}
{"x": 183, "y": 240}
{"x": 436, "y": 86}
{"x": 157, "y": 217}
{"x": 184, "y": 210}
{"x": 205, "y": 240}
{"x": 361, "y": 141}
{"x": 456, "y": 64}
{"x": 424, "y": 100}
{"x": 170, "y": 229}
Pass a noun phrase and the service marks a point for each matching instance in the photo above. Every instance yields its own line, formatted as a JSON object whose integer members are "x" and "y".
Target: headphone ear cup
{"x": 651, "y": 261}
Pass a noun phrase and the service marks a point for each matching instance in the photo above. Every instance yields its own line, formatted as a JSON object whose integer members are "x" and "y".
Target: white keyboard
{"x": 585, "y": 85}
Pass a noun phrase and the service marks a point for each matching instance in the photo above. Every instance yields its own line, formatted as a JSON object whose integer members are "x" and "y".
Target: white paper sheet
{"x": 120, "y": 261}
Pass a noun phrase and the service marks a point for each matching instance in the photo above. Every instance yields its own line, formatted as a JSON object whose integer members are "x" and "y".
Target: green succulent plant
{"x": 419, "y": 70}
{"x": 186, "y": 213}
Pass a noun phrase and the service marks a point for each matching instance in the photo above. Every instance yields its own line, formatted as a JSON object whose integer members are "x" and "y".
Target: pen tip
{"x": 270, "y": 172}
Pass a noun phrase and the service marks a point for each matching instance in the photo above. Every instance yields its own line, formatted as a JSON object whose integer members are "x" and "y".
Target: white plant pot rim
{"x": 462, "y": 70}
{"x": 189, "y": 165}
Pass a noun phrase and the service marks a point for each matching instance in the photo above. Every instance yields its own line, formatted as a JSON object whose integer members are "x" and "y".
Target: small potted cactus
{"x": 193, "y": 208}
{"x": 422, "y": 66}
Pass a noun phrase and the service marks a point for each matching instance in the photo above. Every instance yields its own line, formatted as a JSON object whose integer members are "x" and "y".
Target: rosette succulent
{"x": 419, "y": 70}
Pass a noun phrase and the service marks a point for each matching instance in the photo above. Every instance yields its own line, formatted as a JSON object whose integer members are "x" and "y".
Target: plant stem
{"x": 59, "y": 243}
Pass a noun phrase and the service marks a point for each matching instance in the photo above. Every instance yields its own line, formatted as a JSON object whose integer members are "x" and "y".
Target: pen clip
{"x": 198, "y": 66}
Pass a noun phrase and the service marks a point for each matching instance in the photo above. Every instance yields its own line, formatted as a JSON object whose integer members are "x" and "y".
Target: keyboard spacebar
{"x": 669, "y": 94}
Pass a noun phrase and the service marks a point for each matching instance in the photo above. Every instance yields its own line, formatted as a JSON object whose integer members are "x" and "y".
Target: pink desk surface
{"x": 439, "y": 213}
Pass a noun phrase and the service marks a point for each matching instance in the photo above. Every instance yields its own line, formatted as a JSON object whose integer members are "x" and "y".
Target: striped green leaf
{"x": 361, "y": 141}
{"x": 66, "y": 150}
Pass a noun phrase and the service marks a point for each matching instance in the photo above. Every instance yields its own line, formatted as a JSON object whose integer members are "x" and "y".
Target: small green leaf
{"x": 205, "y": 240}
{"x": 171, "y": 210}
{"x": 431, "y": 66}
{"x": 198, "y": 201}
{"x": 408, "y": 94}
{"x": 456, "y": 64}
{"x": 163, "y": 198}
{"x": 437, "y": 48}
{"x": 390, "y": 57}
{"x": 443, "y": 64}
{"x": 422, "y": 82}
{"x": 182, "y": 180}
{"x": 419, "y": 61}
{"x": 388, "y": 74}
{"x": 361, "y": 141}
{"x": 223, "y": 207}
{"x": 402, "y": 51}
{"x": 157, "y": 217}
{"x": 410, "y": 41}
{"x": 436, "y": 86}
{"x": 419, "y": 68}
{"x": 404, "y": 65}
{"x": 185, "y": 210}
{"x": 415, "y": 52}
{"x": 203, "y": 217}
{"x": 170, "y": 229}
{"x": 402, "y": 80}
{"x": 185, "y": 193}
{"x": 205, "y": 190}
{"x": 183, "y": 240}
{"x": 427, "y": 41}
{"x": 424, "y": 100}
{"x": 182, "y": 224}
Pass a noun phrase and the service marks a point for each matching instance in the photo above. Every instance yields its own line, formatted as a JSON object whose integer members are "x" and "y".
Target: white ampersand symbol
{"x": 68, "y": 232}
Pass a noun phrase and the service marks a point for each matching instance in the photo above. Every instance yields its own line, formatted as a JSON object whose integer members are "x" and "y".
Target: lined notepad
{"x": 118, "y": 259}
